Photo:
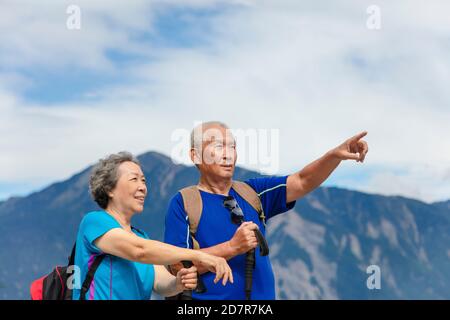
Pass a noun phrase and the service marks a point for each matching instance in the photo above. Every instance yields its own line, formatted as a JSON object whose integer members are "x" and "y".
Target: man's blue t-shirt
{"x": 116, "y": 278}
{"x": 215, "y": 227}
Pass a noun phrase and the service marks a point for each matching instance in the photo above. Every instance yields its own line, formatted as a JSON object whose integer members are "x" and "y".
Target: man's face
{"x": 218, "y": 153}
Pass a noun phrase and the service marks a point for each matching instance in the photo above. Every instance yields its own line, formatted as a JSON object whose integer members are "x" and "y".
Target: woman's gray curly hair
{"x": 104, "y": 176}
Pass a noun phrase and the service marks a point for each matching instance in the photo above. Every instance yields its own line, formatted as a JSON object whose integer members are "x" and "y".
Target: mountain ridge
{"x": 319, "y": 250}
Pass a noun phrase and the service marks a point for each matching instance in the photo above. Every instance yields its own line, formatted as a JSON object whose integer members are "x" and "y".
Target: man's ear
{"x": 195, "y": 156}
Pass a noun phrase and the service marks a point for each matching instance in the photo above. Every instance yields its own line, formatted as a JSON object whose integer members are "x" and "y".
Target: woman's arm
{"x": 121, "y": 243}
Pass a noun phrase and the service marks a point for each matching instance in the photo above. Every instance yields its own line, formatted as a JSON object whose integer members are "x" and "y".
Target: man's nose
{"x": 228, "y": 154}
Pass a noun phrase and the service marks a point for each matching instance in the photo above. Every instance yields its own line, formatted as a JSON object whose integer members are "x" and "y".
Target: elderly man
{"x": 213, "y": 150}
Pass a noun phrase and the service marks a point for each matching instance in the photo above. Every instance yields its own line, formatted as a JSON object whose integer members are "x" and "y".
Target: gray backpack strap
{"x": 193, "y": 205}
{"x": 248, "y": 194}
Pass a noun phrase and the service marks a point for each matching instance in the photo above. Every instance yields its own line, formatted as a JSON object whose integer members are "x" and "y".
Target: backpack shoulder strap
{"x": 72, "y": 256}
{"x": 193, "y": 205}
{"x": 250, "y": 196}
{"x": 90, "y": 276}
{"x": 138, "y": 230}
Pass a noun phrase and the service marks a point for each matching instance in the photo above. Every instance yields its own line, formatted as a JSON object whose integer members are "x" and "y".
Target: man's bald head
{"x": 197, "y": 134}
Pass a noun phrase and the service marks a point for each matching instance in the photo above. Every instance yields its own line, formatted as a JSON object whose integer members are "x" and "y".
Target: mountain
{"x": 334, "y": 235}
{"x": 443, "y": 204}
{"x": 319, "y": 250}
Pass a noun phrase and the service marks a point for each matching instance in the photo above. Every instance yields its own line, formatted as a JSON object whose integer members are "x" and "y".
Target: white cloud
{"x": 312, "y": 70}
{"x": 429, "y": 183}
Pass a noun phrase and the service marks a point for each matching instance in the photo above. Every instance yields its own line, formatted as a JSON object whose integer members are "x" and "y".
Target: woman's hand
{"x": 187, "y": 279}
{"x": 217, "y": 265}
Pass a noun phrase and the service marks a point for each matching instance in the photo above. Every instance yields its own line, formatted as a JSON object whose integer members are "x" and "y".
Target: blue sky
{"x": 177, "y": 27}
{"x": 137, "y": 72}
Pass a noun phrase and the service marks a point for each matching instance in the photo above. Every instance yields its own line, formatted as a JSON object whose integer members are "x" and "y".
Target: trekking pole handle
{"x": 187, "y": 294}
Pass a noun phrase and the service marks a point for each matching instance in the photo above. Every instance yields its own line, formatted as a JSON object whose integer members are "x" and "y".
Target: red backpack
{"x": 53, "y": 286}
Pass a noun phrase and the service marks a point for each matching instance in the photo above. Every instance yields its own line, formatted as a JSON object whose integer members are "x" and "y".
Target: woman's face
{"x": 131, "y": 190}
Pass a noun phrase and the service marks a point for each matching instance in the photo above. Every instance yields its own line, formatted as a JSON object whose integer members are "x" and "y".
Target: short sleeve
{"x": 272, "y": 192}
{"x": 95, "y": 225}
{"x": 177, "y": 225}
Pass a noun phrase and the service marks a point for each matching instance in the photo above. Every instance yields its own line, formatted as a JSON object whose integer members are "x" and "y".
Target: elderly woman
{"x": 132, "y": 266}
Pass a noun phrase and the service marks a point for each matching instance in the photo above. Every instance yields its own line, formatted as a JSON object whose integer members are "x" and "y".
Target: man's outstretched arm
{"x": 315, "y": 173}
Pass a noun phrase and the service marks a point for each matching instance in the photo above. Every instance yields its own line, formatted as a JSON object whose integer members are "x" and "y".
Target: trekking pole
{"x": 249, "y": 266}
{"x": 250, "y": 261}
{"x": 187, "y": 294}
{"x": 237, "y": 217}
